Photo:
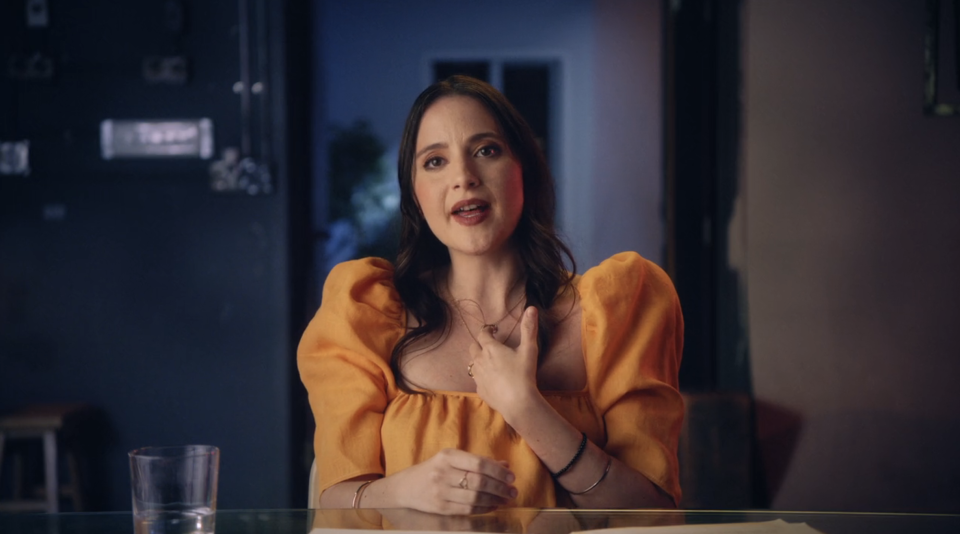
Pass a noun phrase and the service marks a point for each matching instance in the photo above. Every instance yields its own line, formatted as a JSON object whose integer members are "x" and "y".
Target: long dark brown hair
{"x": 422, "y": 256}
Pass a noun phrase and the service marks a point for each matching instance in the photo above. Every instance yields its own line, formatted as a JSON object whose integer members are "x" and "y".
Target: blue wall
{"x": 131, "y": 285}
{"x": 373, "y": 58}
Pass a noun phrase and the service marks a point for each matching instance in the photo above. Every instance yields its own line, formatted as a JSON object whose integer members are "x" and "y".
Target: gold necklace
{"x": 494, "y": 327}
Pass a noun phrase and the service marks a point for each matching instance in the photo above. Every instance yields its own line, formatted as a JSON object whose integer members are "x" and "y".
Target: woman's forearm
{"x": 452, "y": 482}
{"x": 342, "y": 494}
{"x": 555, "y": 441}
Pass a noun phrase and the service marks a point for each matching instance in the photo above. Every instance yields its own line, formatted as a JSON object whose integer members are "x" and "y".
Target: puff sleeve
{"x": 633, "y": 342}
{"x": 343, "y": 359}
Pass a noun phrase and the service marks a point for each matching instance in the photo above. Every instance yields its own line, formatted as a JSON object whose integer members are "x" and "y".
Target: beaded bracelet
{"x": 583, "y": 445}
{"x": 597, "y": 483}
{"x": 358, "y": 493}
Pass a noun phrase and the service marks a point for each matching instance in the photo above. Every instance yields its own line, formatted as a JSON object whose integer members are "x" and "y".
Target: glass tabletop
{"x": 520, "y": 520}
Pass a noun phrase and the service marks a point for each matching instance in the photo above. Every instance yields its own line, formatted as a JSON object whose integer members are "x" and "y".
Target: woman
{"x": 478, "y": 373}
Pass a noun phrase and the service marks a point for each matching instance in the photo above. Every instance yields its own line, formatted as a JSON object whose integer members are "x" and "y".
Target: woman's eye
{"x": 488, "y": 151}
{"x": 433, "y": 163}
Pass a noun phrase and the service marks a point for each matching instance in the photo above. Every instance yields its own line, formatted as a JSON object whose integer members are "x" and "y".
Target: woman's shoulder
{"x": 362, "y": 268}
{"x": 625, "y": 268}
{"x": 625, "y": 276}
{"x": 365, "y": 281}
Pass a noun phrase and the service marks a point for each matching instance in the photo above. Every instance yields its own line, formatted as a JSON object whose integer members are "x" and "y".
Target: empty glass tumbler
{"x": 174, "y": 489}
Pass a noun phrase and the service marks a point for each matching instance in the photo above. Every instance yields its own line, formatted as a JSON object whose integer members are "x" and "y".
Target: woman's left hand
{"x": 506, "y": 377}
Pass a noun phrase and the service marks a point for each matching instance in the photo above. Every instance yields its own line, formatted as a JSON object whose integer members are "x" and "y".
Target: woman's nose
{"x": 466, "y": 176}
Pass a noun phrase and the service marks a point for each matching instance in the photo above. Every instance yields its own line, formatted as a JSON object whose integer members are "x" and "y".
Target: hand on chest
{"x": 441, "y": 363}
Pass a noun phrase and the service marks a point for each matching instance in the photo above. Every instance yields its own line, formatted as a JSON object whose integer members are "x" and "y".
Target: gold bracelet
{"x": 597, "y": 483}
{"x": 359, "y": 492}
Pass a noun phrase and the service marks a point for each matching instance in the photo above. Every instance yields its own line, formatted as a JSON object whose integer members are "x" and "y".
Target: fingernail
{"x": 510, "y": 478}
{"x": 513, "y": 493}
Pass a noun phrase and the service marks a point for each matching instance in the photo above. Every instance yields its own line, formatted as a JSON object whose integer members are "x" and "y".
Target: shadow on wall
{"x": 778, "y": 432}
{"x": 734, "y": 452}
{"x": 873, "y": 460}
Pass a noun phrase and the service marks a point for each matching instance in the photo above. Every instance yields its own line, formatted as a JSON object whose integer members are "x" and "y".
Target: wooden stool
{"x": 45, "y": 422}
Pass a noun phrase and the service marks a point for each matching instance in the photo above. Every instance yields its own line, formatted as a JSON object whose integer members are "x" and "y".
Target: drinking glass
{"x": 174, "y": 489}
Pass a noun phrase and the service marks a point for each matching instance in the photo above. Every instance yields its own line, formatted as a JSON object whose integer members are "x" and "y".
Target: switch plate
{"x": 38, "y": 14}
{"x": 15, "y": 158}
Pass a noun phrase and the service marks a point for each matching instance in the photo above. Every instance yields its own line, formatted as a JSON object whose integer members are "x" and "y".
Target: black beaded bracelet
{"x": 583, "y": 445}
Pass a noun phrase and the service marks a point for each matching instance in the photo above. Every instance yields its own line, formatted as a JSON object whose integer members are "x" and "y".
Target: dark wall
{"x": 853, "y": 248}
{"x": 132, "y": 285}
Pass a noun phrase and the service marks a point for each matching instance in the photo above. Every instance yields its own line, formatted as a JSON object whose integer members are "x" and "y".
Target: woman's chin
{"x": 482, "y": 249}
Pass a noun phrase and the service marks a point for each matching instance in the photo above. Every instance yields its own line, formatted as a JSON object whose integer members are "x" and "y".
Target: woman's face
{"x": 466, "y": 180}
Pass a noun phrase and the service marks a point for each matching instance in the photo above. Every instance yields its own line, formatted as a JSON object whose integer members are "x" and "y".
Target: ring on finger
{"x": 470, "y": 370}
{"x": 463, "y": 481}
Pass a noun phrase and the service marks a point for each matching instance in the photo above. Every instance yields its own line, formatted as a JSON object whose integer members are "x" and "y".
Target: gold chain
{"x": 493, "y": 331}
{"x": 494, "y": 327}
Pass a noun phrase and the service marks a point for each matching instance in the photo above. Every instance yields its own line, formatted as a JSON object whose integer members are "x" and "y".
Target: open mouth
{"x": 471, "y": 210}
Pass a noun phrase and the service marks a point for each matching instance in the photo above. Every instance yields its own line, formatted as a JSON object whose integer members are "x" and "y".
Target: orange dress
{"x": 632, "y": 335}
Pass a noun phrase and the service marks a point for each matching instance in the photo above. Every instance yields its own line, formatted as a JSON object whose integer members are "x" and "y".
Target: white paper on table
{"x": 778, "y": 526}
{"x": 324, "y": 530}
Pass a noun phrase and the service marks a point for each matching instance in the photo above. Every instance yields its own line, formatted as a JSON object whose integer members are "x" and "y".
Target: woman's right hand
{"x": 452, "y": 482}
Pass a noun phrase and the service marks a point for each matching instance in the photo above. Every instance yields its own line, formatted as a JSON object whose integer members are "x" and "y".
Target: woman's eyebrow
{"x": 482, "y": 135}
{"x": 473, "y": 139}
{"x": 428, "y": 148}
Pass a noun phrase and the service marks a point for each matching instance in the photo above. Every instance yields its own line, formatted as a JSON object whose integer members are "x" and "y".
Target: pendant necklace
{"x": 495, "y": 326}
